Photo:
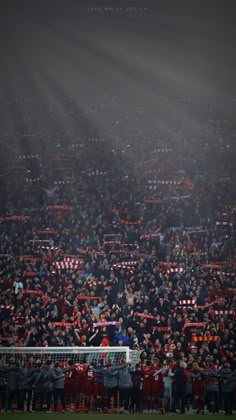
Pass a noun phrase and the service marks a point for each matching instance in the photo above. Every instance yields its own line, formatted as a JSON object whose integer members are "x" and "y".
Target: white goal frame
{"x": 71, "y": 353}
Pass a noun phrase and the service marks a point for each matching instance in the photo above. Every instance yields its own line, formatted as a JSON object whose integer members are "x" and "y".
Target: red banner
{"x": 8, "y": 308}
{"x": 200, "y": 338}
{"x": 192, "y": 324}
{"x": 81, "y": 297}
{"x": 28, "y": 259}
{"x": 59, "y": 212}
{"x": 64, "y": 324}
{"x": 142, "y": 315}
{"x": 228, "y": 292}
{"x": 162, "y": 329}
{"x": 207, "y": 305}
{"x": 14, "y": 219}
{"x": 151, "y": 235}
{"x": 210, "y": 266}
{"x": 226, "y": 312}
{"x": 30, "y": 274}
{"x": 33, "y": 292}
{"x": 46, "y": 232}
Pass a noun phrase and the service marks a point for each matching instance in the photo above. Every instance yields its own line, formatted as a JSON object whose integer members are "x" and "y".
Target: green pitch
{"x": 80, "y": 416}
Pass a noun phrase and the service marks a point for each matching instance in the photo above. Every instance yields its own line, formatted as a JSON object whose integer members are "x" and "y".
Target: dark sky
{"x": 175, "y": 62}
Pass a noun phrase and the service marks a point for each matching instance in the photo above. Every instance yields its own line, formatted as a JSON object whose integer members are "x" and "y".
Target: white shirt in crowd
{"x": 17, "y": 285}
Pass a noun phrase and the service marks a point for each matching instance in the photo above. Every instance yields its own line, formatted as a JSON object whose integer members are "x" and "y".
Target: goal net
{"x": 88, "y": 355}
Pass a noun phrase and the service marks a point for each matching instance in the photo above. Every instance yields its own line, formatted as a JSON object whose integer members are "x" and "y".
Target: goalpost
{"x": 88, "y": 355}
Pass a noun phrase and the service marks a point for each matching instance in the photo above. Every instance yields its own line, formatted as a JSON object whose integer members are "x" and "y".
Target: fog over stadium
{"x": 163, "y": 69}
{"x": 118, "y": 206}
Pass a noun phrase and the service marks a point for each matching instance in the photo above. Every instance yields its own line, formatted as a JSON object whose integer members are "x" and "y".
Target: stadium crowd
{"x": 142, "y": 258}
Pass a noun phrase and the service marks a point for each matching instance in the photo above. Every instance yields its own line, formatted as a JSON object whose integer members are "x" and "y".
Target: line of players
{"x": 147, "y": 386}
{"x": 106, "y": 386}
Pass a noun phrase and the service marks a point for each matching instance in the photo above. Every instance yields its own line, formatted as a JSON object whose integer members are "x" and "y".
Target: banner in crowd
{"x": 199, "y": 338}
{"x": 59, "y": 212}
{"x": 82, "y": 297}
{"x": 112, "y": 236}
{"x": 210, "y": 266}
{"x": 224, "y": 224}
{"x": 28, "y": 259}
{"x": 125, "y": 264}
{"x": 46, "y": 232}
{"x": 33, "y": 292}
{"x": 167, "y": 264}
{"x": 104, "y": 324}
{"x": 223, "y": 312}
{"x": 129, "y": 218}
{"x": 174, "y": 271}
{"x": 142, "y": 315}
{"x": 161, "y": 329}
{"x": 207, "y": 305}
{"x": 111, "y": 243}
{"x": 192, "y": 324}
{"x": 187, "y": 302}
{"x": 228, "y": 292}
{"x": 9, "y": 308}
{"x": 153, "y": 235}
{"x": 30, "y": 274}
{"x": 14, "y": 219}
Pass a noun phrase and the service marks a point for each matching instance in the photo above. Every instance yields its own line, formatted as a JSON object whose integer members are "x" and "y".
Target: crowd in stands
{"x": 124, "y": 255}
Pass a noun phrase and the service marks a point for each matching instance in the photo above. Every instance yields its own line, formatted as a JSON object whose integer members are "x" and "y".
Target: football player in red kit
{"x": 157, "y": 387}
{"x": 70, "y": 387}
{"x": 81, "y": 374}
{"x": 90, "y": 386}
{"x": 75, "y": 384}
{"x": 147, "y": 372}
{"x": 198, "y": 388}
{"x": 99, "y": 386}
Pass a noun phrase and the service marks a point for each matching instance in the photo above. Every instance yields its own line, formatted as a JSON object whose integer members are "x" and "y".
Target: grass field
{"x": 67, "y": 416}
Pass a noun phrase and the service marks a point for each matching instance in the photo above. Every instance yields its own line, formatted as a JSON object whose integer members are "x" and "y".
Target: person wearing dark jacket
{"x": 58, "y": 379}
{"x": 227, "y": 384}
{"x": 37, "y": 387}
{"x": 13, "y": 372}
{"x": 3, "y": 388}
{"x": 125, "y": 385}
{"x": 44, "y": 378}
{"x": 27, "y": 383}
{"x": 180, "y": 380}
{"x": 212, "y": 388}
{"x": 111, "y": 384}
{"x": 136, "y": 392}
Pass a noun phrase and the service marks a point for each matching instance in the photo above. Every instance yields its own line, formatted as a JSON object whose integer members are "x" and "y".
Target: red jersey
{"x": 157, "y": 384}
{"x": 90, "y": 381}
{"x": 70, "y": 382}
{"x": 81, "y": 375}
{"x": 147, "y": 372}
{"x": 198, "y": 384}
